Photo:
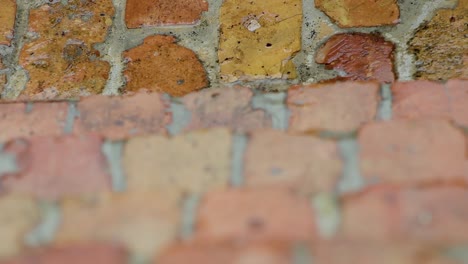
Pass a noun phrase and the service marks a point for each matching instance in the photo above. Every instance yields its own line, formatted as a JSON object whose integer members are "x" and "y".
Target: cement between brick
{"x": 113, "y": 152}
{"x": 275, "y": 105}
{"x": 7, "y": 163}
{"x": 351, "y": 180}
{"x": 189, "y": 214}
{"x": 45, "y": 232}
{"x": 239, "y": 146}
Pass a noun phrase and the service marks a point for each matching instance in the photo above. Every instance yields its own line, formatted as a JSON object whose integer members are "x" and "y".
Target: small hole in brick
{"x": 256, "y": 224}
{"x": 214, "y": 95}
{"x": 268, "y": 45}
{"x": 180, "y": 82}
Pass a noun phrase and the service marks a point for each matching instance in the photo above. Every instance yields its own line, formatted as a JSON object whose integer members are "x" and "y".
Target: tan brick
{"x": 195, "y": 162}
{"x": 54, "y": 167}
{"x": 255, "y": 215}
{"x": 304, "y": 163}
{"x": 333, "y": 107}
{"x": 412, "y": 153}
{"x": 360, "y": 13}
{"x": 7, "y": 21}
{"x": 163, "y": 12}
{"x": 123, "y": 117}
{"x": 61, "y": 60}
{"x": 19, "y": 215}
{"x": 254, "y": 43}
{"x": 358, "y": 56}
{"x": 228, "y": 107}
{"x": 458, "y": 92}
{"x": 144, "y": 222}
{"x": 160, "y": 65}
{"x": 43, "y": 119}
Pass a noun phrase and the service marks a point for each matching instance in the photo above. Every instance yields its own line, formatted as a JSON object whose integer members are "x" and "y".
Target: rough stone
{"x": 7, "y": 20}
{"x": 60, "y": 57}
{"x": 163, "y": 12}
{"x": 160, "y": 65}
{"x": 358, "y": 56}
{"x": 259, "y": 39}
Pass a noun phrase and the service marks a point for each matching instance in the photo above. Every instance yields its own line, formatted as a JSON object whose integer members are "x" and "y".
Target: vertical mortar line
{"x": 275, "y": 105}
{"x": 7, "y": 163}
{"x": 239, "y": 146}
{"x": 385, "y": 110}
{"x": 181, "y": 116}
{"x": 351, "y": 179}
{"x": 72, "y": 113}
{"x": 189, "y": 214}
{"x": 113, "y": 151}
{"x": 45, "y": 231}
{"x": 327, "y": 213}
{"x": 301, "y": 254}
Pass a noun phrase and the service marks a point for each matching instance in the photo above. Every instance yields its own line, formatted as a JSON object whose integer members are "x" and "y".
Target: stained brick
{"x": 304, "y": 163}
{"x": 19, "y": 215}
{"x": 415, "y": 152}
{"x": 53, "y": 167}
{"x": 458, "y": 92}
{"x": 160, "y": 65}
{"x": 60, "y": 59}
{"x": 19, "y": 120}
{"x": 225, "y": 107}
{"x": 358, "y": 56}
{"x": 163, "y": 12}
{"x": 360, "y": 13}
{"x": 7, "y": 21}
{"x": 333, "y": 107}
{"x": 122, "y": 117}
{"x": 254, "y": 44}
{"x": 194, "y": 162}
{"x": 144, "y": 222}
{"x": 254, "y": 215}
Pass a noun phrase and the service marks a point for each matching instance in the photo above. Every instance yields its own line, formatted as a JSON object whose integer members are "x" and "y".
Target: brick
{"x": 440, "y": 47}
{"x": 332, "y": 107}
{"x": 228, "y": 107}
{"x": 458, "y": 92}
{"x": 7, "y": 21}
{"x": 54, "y": 167}
{"x": 429, "y": 215}
{"x": 143, "y": 222}
{"x": 412, "y": 153}
{"x": 74, "y": 254}
{"x": 304, "y": 163}
{"x": 360, "y": 13}
{"x": 358, "y": 56}
{"x": 253, "y": 42}
{"x": 18, "y": 120}
{"x": 163, "y": 12}
{"x": 122, "y": 117}
{"x": 255, "y": 215}
{"x": 160, "y": 65}
{"x": 19, "y": 216}
{"x": 60, "y": 59}
{"x": 194, "y": 162}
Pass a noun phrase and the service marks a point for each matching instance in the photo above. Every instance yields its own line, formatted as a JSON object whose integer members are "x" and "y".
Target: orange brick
{"x": 412, "y": 153}
{"x": 53, "y": 167}
{"x": 458, "y": 92}
{"x": 7, "y": 21}
{"x": 340, "y": 107}
{"x": 304, "y": 163}
{"x": 163, "y": 12}
{"x": 123, "y": 117}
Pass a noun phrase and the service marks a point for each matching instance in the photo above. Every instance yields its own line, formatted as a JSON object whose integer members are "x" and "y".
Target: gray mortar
{"x": 72, "y": 114}
{"x": 181, "y": 116}
{"x": 274, "y": 104}
{"x": 113, "y": 153}
{"x": 385, "y": 107}
{"x": 351, "y": 180}
{"x": 327, "y": 213}
{"x": 301, "y": 254}
{"x": 189, "y": 213}
{"x": 47, "y": 228}
{"x": 239, "y": 145}
{"x": 7, "y": 162}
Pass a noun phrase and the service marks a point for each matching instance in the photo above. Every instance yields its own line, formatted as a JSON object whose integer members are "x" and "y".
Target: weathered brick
{"x": 60, "y": 59}
{"x": 54, "y": 167}
{"x": 458, "y": 92}
{"x": 144, "y": 222}
{"x": 358, "y": 56}
{"x": 90, "y": 252}
{"x": 19, "y": 215}
{"x": 19, "y": 120}
{"x": 255, "y": 215}
{"x": 333, "y": 107}
{"x": 254, "y": 43}
{"x": 160, "y": 65}
{"x": 163, "y": 12}
{"x": 429, "y": 215}
{"x": 7, "y": 21}
{"x": 225, "y": 107}
{"x": 304, "y": 163}
{"x": 122, "y": 117}
{"x": 194, "y": 162}
{"x": 414, "y": 152}
{"x": 360, "y": 13}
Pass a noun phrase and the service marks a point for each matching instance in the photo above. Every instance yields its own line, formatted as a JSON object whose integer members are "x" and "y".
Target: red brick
{"x": 341, "y": 107}
{"x": 429, "y": 215}
{"x": 45, "y": 119}
{"x": 304, "y": 163}
{"x": 415, "y": 152}
{"x": 359, "y": 56}
{"x": 257, "y": 215}
{"x": 458, "y": 92}
{"x": 7, "y": 21}
{"x": 123, "y": 117}
{"x": 53, "y": 167}
{"x": 74, "y": 254}
{"x": 225, "y": 107}
{"x": 163, "y": 12}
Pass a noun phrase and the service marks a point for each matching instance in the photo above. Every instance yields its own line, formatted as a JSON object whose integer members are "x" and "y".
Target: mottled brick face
{"x": 7, "y": 20}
